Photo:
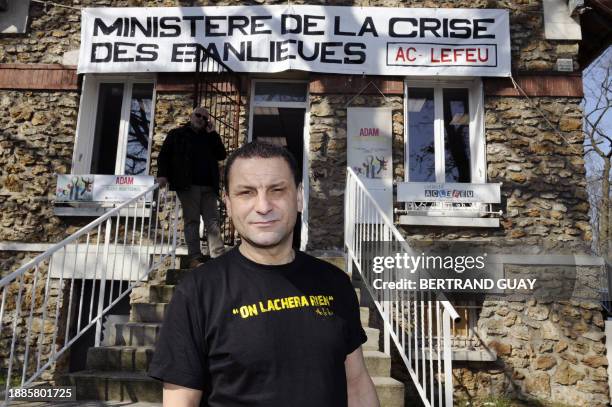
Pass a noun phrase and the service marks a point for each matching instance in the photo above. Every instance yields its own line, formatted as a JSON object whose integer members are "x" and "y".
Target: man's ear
{"x": 300, "y": 197}
{"x": 226, "y": 201}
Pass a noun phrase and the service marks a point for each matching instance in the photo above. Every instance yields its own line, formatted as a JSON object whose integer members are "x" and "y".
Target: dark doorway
{"x": 78, "y": 351}
{"x": 283, "y": 126}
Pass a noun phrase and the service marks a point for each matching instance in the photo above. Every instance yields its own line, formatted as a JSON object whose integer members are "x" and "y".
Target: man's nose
{"x": 263, "y": 204}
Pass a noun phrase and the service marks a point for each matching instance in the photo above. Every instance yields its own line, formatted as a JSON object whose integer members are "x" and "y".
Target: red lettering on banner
{"x": 433, "y": 57}
{"x": 459, "y": 55}
{"x": 469, "y": 55}
{"x": 486, "y": 57}
{"x": 405, "y": 56}
{"x": 400, "y": 54}
{"x": 124, "y": 180}
{"x": 408, "y": 57}
{"x": 444, "y": 55}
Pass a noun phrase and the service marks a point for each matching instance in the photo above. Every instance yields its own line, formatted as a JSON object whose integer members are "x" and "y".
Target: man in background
{"x": 188, "y": 161}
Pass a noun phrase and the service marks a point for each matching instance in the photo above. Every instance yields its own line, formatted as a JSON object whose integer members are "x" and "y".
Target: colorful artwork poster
{"x": 369, "y": 145}
{"x": 74, "y": 188}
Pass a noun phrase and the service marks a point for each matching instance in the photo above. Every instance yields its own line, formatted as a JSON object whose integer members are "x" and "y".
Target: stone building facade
{"x": 534, "y": 147}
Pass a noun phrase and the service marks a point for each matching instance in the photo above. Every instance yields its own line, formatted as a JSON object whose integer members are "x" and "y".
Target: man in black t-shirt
{"x": 264, "y": 325}
{"x": 188, "y": 161}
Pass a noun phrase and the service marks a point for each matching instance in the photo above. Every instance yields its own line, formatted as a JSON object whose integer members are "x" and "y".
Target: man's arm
{"x": 179, "y": 396}
{"x": 218, "y": 147}
{"x": 360, "y": 388}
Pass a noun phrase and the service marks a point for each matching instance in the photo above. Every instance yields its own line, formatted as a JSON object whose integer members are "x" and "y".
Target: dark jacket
{"x": 174, "y": 160}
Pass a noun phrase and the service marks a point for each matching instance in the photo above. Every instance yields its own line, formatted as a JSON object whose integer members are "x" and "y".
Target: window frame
{"x": 476, "y": 127}
{"x": 86, "y": 122}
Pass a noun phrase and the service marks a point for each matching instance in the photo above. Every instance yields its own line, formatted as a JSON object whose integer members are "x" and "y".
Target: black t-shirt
{"x": 257, "y": 335}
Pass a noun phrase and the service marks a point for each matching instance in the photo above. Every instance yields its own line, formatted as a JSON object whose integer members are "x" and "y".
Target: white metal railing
{"x": 418, "y": 322}
{"x": 83, "y": 276}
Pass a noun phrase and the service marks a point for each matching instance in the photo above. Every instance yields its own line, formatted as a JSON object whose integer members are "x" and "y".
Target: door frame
{"x": 306, "y": 138}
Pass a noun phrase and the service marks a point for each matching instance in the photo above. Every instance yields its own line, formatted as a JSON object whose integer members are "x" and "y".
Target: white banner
{"x": 369, "y": 151}
{"x": 101, "y": 188}
{"x": 331, "y": 39}
{"x": 448, "y": 192}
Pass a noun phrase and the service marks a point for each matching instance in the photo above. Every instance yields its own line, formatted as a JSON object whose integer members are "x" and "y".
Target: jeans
{"x": 201, "y": 201}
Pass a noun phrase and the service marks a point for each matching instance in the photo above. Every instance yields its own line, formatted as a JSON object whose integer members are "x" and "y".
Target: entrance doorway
{"x": 277, "y": 116}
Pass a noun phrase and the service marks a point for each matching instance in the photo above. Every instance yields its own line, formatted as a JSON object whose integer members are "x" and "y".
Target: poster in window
{"x": 101, "y": 188}
{"x": 369, "y": 141}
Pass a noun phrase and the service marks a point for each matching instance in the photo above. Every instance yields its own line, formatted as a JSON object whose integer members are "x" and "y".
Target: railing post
{"x": 448, "y": 356}
{"x": 386, "y": 306}
{"x": 101, "y": 293}
{"x": 386, "y": 333}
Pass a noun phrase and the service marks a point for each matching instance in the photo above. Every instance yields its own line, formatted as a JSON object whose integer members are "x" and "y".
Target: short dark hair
{"x": 258, "y": 149}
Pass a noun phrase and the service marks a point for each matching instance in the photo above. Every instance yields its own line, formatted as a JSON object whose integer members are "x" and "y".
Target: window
{"x": 445, "y": 144}
{"x": 115, "y": 126}
{"x": 444, "y": 132}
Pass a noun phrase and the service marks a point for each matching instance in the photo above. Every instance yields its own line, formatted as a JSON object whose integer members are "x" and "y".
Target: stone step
{"x": 137, "y": 387}
{"x": 372, "y": 342}
{"x": 161, "y": 293}
{"x": 115, "y": 386}
{"x": 378, "y": 364}
{"x": 135, "y": 334}
{"x": 148, "y": 312}
{"x": 390, "y": 391}
{"x": 364, "y": 315}
{"x": 174, "y": 276}
{"x": 138, "y": 358}
{"x": 125, "y": 358}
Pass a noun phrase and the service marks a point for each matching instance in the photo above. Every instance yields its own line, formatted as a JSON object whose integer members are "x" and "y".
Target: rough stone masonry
{"x": 548, "y": 351}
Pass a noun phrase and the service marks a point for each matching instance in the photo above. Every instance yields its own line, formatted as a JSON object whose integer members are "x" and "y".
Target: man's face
{"x": 263, "y": 201}
{"x": 199, "y": 118}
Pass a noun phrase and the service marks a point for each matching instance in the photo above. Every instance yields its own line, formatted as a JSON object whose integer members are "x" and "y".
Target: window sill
{"x": 465, "y": 221}
{"x": 96, "y": 209}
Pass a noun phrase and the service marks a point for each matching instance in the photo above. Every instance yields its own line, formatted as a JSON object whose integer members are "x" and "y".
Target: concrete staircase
{"x": 390, "y": 391}
{"x": 117, "y": 371}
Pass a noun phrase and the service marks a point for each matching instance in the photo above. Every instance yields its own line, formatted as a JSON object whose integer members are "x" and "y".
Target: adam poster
{"x": 369, "y": 142}
{"x": 101, "y": 188}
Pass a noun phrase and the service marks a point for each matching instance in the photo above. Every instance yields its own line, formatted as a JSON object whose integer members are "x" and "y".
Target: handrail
{"x": 396, "y": 233}
{"x": 92, "y": 260}
{"x": 418, "y": 325}
{"x": 47, "y": 253}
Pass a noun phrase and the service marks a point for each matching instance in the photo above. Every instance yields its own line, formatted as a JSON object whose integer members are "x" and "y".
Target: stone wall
{"x": 548, "y": 349}
{"x": 37, "y": 134}
{"x": 45, "y": 335}
{"x": 541, "y": 170}
{"x": 56, "y": 30}
{"x": 328, "y": 162}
